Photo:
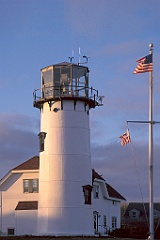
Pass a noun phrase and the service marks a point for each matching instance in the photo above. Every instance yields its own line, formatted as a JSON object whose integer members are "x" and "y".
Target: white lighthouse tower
{"x": 65, "y": 183}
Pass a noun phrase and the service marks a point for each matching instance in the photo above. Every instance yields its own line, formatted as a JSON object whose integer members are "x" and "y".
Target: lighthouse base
{"x": 65, "y": 222}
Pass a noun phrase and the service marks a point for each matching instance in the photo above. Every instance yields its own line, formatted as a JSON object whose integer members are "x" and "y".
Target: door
{"x": 95, "y": 215}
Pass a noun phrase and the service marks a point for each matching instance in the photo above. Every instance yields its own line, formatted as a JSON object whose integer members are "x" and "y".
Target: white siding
{"x": 105, "y": 206}
{"x": 11, "y": 195}
{"x": 26, "y": 222}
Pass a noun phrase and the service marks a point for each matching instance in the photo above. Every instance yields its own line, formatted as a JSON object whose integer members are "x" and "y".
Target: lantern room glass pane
{"x": 47, "y": 82}
{"x": 47, "y": 76}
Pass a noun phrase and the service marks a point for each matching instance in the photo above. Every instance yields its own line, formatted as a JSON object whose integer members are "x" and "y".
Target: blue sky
{"x": 114, "y": 34}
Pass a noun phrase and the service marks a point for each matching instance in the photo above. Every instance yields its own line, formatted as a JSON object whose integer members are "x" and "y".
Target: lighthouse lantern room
{"x": 65, "y": 183}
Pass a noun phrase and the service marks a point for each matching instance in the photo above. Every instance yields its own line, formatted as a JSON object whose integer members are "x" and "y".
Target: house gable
{"x": 107, "y": 191}
{"x": 142, "y": 208}
{"x": 31, "y": 165}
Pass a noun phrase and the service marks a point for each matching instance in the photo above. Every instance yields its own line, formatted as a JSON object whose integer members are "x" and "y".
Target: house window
{"x": 10, "y": 231}
{"x": 134, "y": 214}
{"x": 87, "y": 189}
{"x": 114, "y": 223}
{"x": 30, "y": 185}
{"x": 96, "y": 191}
{"x": 114, "y": 202}
{"x": 35, "y": 185}
{"x": 104, "y": 221}
{"x": 42, "y": 136}
{"x": 156, "y": 213}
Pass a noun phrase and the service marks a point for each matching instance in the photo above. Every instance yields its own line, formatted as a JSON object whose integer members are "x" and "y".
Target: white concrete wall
{"x": 11, "y": 195}
{"x": 65, "y": 166}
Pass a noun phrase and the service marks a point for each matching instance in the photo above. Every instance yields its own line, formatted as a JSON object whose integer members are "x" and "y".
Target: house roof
{"x": 66, "y": 64}
{"x": 96, "y": 175}
{"x": 112, "y": 193}
{"x": 142, "y": 207}
{"x": 27, "y": 205}
{"x": 31, "y": 164}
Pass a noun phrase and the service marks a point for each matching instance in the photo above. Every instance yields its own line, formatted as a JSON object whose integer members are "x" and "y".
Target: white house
{"x": 19, "y": 190}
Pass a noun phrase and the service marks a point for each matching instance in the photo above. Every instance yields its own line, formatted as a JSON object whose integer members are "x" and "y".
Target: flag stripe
{"x": 125, "y": 138}
{"x": 144, "y": 65}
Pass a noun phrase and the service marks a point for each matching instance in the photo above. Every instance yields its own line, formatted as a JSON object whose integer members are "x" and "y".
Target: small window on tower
{"x": 87, "y": 189}
{"x": 42, "y": 136}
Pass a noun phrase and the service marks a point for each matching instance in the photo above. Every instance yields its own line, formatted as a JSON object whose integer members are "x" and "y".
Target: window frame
{"x": 96, "y": 191}
{"x": 87, "y": 189}
{"x": 30, "y": 188}
{"x": 114, "y": 223}
{"x": 134, "y": 213}
{"x": 42, "y": 136}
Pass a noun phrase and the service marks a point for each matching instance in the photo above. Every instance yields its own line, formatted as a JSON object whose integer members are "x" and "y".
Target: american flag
{"x": 125, "y": 138}
{"x": 144, "y": 64}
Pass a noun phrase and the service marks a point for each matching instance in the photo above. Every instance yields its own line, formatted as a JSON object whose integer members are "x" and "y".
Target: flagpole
{"x": 145, "y": 64}
{"x": 150, "y": 153}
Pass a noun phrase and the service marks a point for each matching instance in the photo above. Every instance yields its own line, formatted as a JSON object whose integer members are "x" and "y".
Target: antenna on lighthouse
{"x": 71, "y": 59}
{"x": 79, "y": 52}
{"x": 86, "y": 58}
